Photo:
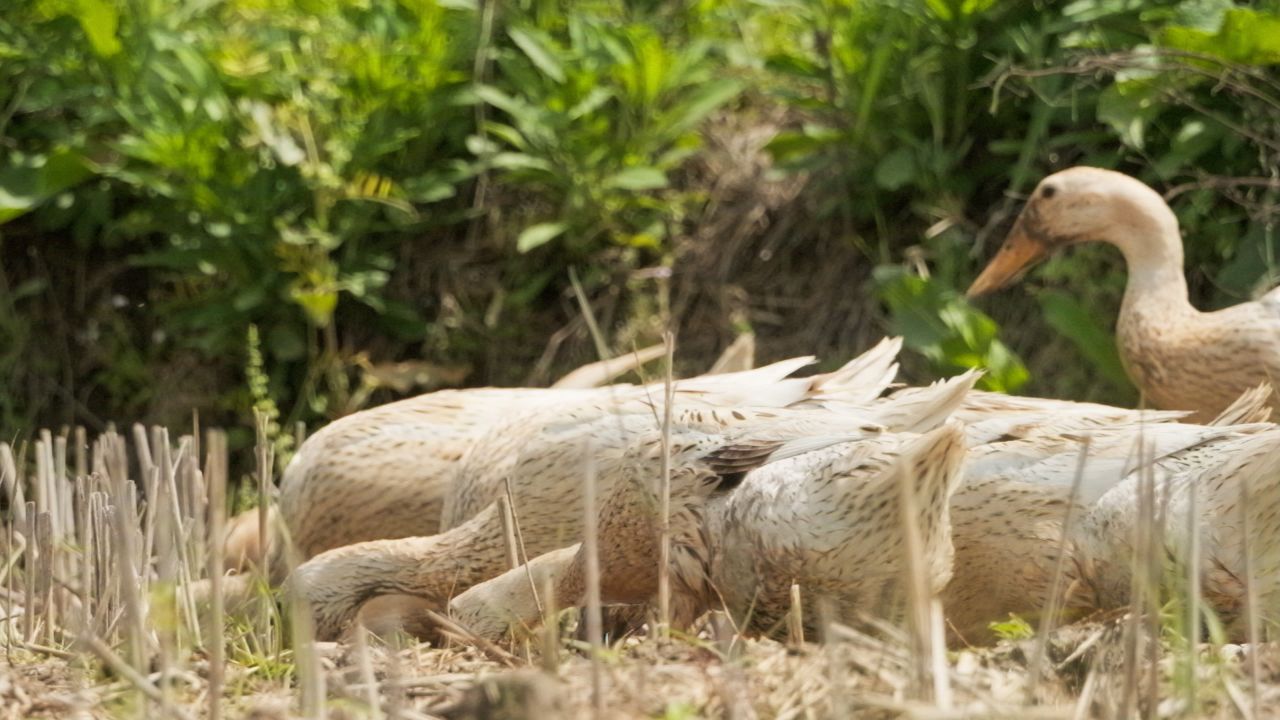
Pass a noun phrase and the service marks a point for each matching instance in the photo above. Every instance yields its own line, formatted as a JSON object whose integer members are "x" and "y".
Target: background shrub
{"x": 394, "y": 194}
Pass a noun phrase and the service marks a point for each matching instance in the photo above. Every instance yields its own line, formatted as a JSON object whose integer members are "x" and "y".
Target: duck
{"x": 387, "y": 472}
{"x": 548, "y": 488}
{"x": 535, "y": 459}
{"x": 1236, "y": 510}
{"x": 826, "y": 519}
{"x": 1178, "y": 357}
{"x": 546, "y": 442}
{"x": 830, "y": 521}
{"x": 1008, "y": 514}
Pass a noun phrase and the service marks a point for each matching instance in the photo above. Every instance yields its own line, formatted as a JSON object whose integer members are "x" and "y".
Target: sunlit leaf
{"x": 941, "y": 8}
{"x": 519, "y": 161}
{"x": 592, "y": 102}
{"x": 792, "y": 64}
{"x": 703, "y": 101}
{"x": 33, "y": 179}
{"x": 1128, "y": 107}
{"x": 537, "y": 47}
{"x": 538, "y": 235}
{"x": 1247, "y": 36}
{"x": 100, "y": 21}
{"x": 317, "y": 304}
{"x": 936, "y": 322}
{"x": 638, "y": 178}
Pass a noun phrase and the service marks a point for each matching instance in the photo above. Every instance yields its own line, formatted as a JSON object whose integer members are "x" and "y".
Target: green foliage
{"x": 598, "y": 115}
{"x": 27, "y": 181}
{"x": 1069, "y": 316}
{"x": 936, "y": 322}
{"x": 1015, "y": 628}
{"x": 255, "y": 156}
{"x": 414, "y": 178}
{"x": 1244, "y": 36}
{"x": 680, "y": 710}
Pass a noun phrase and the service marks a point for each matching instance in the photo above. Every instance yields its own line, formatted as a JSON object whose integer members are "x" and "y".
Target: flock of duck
{"x": 832, "y": 482}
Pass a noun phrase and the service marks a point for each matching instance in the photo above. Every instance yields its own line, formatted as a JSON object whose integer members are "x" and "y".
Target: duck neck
{"x": 1152, "y": 248}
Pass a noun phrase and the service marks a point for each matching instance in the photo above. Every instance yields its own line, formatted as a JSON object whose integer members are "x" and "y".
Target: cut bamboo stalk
{"x": 10, "y": 622}
{"x": 524, "y": 554}
{"x": 66, "y": 526}
{"x": 12, "y": 484}
{"x": 134, "y": 678}
{"x": 508, "y": 532}
{"x": 41, "y": 484}
{"x": 664, "y": 539}
{"x": 143, "y": 450}
{"x": 795, "y": 619}
{"x": 103, "y": 588}
{"x": 364, "y": 662}
{"x": 128, "y": 582}
{"x": 216, "y": 473}
{"x": 311, "y": 684}
{"x": 550, "y": 626}
{"x": 1193, "y": 594}
{"x": 164, "y": 602}
{"x": 82, "y": 443}
{"x": 29, "y": 573}
{"x": 84, "y": 540}
{"x": 44, "y": 579}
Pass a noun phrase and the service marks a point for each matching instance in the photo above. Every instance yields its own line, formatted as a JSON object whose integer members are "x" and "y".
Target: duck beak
{"x": 1019, "y": 252}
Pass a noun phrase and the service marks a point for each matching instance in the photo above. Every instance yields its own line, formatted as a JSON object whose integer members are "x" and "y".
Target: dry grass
{"x": 101, "y": 616}
{"x": 851, "y": 675}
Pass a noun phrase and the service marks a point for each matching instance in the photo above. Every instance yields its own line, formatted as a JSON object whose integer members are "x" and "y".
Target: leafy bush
{"x": 369, "y": 182}
{"x": 890, "y": 116}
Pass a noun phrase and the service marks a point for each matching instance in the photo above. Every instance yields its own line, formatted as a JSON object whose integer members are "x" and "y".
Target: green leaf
{"x": 935, "y": 322}
{"x": 501, "y": 100}
{"x": 789, "y": 64}
{"x": 791, "y": 145}
{"x": 317, "y": 304}
{"x": 1128, "y": 106}
{"x": 1192, "y": 141}
{"x": 33, "y": 179}
{"x": 1015, "y": 628}
{"x": 897, "y": 169}
{"x": 941, "y": 8}
{"x": 638, "y": 178}
{"x": 1072, "y": 319}
{"x": 507, "y": 134}
{"x": 538, "y": 235}
{"x": 100, "y": 22}
{"x": 519, "y": 161}
{"x": 286, "y": 343}
{"x": 536, "y": 46}
{"x": 707, "y": 98}
{"x": 1250, "y": 37}
{"x": 592, "y": 102}
{"x": 27, "y": 289}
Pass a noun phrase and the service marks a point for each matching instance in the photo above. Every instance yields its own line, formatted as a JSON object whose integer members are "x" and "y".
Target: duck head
{"x": 1080, "y": 204}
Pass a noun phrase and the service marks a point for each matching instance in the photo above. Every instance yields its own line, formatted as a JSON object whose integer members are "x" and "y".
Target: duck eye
{"x": 1048, "y": 191}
